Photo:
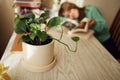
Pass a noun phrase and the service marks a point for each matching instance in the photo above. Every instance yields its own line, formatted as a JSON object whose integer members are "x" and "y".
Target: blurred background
{"x": 108, "y": 9}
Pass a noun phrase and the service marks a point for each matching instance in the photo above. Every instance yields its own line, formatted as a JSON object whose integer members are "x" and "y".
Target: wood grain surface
{"x": 91, "y": 62}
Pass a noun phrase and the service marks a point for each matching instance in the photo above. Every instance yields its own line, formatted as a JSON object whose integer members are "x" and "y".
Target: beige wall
{"x": 108, "y": 8}
{"x": 48, "y": 3}
{"x": 6, "y": 23}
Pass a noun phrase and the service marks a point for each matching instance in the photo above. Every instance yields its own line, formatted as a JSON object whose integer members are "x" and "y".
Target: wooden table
{"x": 91, "y": 62}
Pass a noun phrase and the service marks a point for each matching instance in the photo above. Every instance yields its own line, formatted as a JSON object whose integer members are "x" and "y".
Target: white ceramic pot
{"x": 38, "y": 58}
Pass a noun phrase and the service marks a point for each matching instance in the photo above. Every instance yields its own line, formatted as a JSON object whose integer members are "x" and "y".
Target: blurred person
{"x": 96, "y": 23}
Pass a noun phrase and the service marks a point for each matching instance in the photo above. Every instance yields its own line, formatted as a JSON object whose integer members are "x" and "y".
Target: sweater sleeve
{"x": 100, "y": 27}
{"x": 95, "y": 14}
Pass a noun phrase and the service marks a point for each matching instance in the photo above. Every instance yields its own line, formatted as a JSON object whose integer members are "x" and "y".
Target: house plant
{"x": 35, "y": 38}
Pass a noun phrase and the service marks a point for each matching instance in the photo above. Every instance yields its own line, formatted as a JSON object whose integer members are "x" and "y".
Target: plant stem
{"x": 61, "y": 33}
{"x": 67, "y": 45}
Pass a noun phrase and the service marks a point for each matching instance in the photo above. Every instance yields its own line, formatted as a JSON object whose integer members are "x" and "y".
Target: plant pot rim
{"x": 40, "y": 45}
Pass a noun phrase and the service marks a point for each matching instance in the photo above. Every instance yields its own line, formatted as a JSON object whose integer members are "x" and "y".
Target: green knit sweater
{"x": 100, "y": 27}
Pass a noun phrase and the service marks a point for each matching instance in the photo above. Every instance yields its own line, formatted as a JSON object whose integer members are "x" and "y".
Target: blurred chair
{"x": 115, "y": 30}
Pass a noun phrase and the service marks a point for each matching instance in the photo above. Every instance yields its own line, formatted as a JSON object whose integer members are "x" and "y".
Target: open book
{"x": 72, "y": 25}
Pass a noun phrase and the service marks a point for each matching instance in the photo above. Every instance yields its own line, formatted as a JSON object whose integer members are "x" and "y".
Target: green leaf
{"x": 37, "y": 21}
{"x": 34, "y": 27}
{"x": 42, "y": 36}
{"x": 55, "y": 21}
{"x": 20, "y": 26}
{"x": 75, "y": 39}
{"x": 25, "y": 39}
{"x": 42, "y": 19}
{"x": 27, "y": 16}
{"x": 44, "y": 15}
{"x": 32, "y": 36}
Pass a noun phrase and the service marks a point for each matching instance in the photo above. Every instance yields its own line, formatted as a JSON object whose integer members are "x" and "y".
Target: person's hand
{"x": 81, "y": 25}
{"x": 91, "y": 22}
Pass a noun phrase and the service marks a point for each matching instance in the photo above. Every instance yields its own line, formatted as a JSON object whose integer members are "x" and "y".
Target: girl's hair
{"x": 67, "y": 6}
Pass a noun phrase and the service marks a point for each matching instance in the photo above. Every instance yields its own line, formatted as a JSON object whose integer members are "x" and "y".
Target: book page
{"x": 73, "y": 26}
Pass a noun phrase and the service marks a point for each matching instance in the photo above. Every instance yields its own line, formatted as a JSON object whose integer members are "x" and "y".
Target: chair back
{"x": 115, "y": 30}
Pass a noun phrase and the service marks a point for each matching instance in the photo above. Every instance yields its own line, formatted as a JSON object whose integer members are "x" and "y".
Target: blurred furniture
{"x": 91, "y": 62}
{"x": 115, "y": 30}
{"x": 25, "y": 6}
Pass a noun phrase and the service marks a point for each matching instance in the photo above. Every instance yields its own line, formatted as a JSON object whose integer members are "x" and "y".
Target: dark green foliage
{"x": 30, "y": 26}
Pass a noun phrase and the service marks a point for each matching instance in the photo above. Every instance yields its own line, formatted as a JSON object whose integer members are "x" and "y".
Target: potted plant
{"x": 38, "y": 45}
